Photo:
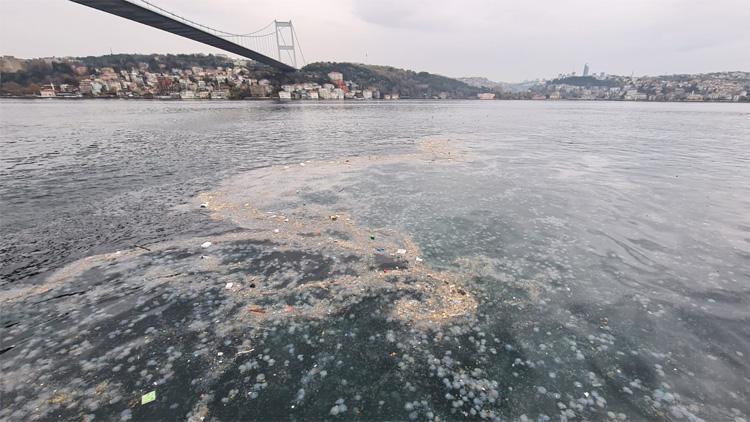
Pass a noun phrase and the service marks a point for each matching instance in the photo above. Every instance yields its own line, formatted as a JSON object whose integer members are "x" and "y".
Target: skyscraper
{"x": 586, "y": 69}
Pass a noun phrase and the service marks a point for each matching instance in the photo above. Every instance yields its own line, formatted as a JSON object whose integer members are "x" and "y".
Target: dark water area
{"x": 509, "y": 261}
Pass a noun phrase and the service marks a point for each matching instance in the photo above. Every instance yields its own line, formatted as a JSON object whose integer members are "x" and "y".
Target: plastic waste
{"x": 148, "y": 397}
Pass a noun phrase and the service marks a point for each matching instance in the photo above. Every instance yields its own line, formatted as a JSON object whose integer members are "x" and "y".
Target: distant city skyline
{"x": 505, "y": 42}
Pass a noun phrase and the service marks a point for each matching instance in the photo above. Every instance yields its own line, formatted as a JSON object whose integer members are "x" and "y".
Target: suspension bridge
{"x": 275, "y": 45}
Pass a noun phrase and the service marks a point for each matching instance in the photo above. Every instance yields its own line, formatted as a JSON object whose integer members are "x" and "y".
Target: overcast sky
{"x": 500, "y": 39}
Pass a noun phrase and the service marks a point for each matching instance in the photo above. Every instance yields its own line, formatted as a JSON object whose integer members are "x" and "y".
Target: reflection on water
{"x": 402, "y": 261}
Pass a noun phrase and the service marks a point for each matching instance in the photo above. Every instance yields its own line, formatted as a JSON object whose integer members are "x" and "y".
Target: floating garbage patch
{"x": 305, "y": 313}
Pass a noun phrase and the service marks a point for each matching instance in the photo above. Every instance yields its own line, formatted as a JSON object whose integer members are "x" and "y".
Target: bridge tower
{"x": 285, "y": 42}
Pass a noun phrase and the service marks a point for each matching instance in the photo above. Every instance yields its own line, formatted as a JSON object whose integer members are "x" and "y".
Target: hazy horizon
{"x": 505, "y": 43}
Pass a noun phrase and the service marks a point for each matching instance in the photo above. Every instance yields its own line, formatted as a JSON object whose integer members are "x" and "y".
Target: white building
{"x": 47, "y": 92}
{"x": 219, "y": 94}
{"x": 96, "y": 87}
{"x": 336, "y": 76}
{"x": 324, "y": 94}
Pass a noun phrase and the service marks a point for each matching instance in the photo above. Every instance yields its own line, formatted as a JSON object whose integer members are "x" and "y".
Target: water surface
{"x": 375, "y": 261}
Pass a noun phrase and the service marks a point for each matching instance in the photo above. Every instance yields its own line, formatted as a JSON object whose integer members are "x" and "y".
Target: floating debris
{"x": 328, "y": 314}
{"x": 148, "y": 397}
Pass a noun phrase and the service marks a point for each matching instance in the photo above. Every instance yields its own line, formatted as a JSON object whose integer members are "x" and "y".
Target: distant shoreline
{"x": 37, "y": 98}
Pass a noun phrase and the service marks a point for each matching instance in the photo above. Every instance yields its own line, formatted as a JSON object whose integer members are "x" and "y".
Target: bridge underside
{"x": 148, "y": 17}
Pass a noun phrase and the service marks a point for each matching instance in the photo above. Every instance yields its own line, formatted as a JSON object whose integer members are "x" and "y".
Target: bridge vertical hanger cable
{"x": 258, "y": 45}
{"x": 294, "y": 34}
{"x": 255, "y": 40}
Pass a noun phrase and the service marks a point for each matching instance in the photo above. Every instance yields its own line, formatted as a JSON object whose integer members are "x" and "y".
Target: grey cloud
{"x": 430, "y": 15}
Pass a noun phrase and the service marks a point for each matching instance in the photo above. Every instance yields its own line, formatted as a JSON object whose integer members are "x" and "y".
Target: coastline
{"x": 276, "y": 99}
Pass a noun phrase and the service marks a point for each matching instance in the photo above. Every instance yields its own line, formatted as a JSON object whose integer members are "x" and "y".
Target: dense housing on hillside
{"x": 216, "y": 77}
{"x": 196, "y": 77}
{"x": 720, "y": 86}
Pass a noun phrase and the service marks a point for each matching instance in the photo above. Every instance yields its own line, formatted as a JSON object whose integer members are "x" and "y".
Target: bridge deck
{"x": 134, "y": 12}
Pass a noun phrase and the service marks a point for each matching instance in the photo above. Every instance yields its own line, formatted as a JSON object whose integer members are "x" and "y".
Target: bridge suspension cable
{"x": 269, "y": 40}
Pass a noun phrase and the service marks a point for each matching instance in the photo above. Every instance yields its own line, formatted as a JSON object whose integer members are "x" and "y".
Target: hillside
{"x": 504, "y": 89}
{"x": 584, "y": 81}
{"x": 387, "y": 79}
{"x": 26, "y": 76}
{"x": 481, "y": 82}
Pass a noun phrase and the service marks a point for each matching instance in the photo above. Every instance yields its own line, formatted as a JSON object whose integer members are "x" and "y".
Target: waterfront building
{"x": 324, "y": 94}
{"x": 219, "y": 94}
{"x": 260, "y": 90}
{"x": 47, "y": 91}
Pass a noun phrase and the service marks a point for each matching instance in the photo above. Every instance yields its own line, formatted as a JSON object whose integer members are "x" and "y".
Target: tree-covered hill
{"x": 25, "y": 76}
{"x": 586, "y": 81}
{"x": 387, "y": 79}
